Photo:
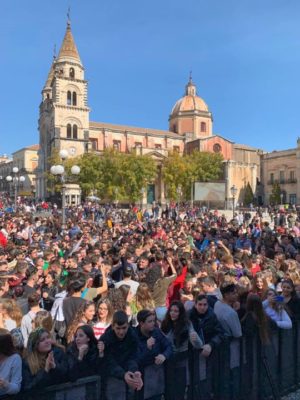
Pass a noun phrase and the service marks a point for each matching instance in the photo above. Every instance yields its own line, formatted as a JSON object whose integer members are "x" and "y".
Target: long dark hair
{"x": 88, "y": 330}
{"x": 179, "y": 327}
{"x": 6, "y": 343}
{"x": 254, "y": 307}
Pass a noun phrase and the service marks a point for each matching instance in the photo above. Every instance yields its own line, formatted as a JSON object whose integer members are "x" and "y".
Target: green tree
{"x": 184, "y": 170}
{"x": 90, "y": 178}
{"x": 275, "y": 195}
{"x": 248, "y": 195}
{"x": 175, "y": 174}
{"x": 135, "y": 172}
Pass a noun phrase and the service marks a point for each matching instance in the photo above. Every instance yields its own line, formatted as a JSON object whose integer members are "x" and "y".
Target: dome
{"x": 190, "y": 102}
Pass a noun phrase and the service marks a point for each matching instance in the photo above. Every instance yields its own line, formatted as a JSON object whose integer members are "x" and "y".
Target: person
{"x": 229, "y": 321}
{"x": 256, "y": 321}
{"x": 158, "y": 282}
{"x": 144, "y": 298}
{"x": 10, "y": 315}
{"x": 10, "y": 365}
{"x": 83, "y": 316}
{"x": 121, "y": 352}
{"x": 180, "y": 332}
{"x": 49, "y": 291}
{"x": 74, "y": 300}
{"x": 291, "y": 300}
{"x": 82, "y": 354}
{"x": 206, "y": 324}
{"x": 154, "y": 350}
{"x": 27, "y": 320}
{"x": 127, "y": 280}
{"x": 44, "y": 363}
{"x": 104, "y": 314}
{"x": 274, "y": 308}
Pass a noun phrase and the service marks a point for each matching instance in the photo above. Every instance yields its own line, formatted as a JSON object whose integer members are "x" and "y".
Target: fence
{"x": 241, "y": 369}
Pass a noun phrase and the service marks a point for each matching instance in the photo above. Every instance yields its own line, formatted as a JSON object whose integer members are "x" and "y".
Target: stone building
{"x": 282, "y": 167}
{"x": 64, "y": 124}
{"x": 26, "y": 160}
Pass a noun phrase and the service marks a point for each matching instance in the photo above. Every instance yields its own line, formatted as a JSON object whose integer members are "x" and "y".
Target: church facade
{"x": 64, "y": 123}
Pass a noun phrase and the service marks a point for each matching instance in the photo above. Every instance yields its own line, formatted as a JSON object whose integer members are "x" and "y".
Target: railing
{"x": 253, "y": 372}
{"x": 282, "y": 181}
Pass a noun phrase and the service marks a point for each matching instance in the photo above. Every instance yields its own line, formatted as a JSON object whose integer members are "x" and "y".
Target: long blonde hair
{"x": 144, "y": 298}
{"x": 13, "y": 311}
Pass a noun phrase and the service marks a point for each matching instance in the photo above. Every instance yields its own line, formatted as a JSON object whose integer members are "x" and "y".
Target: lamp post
{"x": 233, "y": 191}
{"x": 281, "y": 198}
{"x": 59, "y": 170}
{"x": 116, "y": 192}
{"x": 16, "y": 180}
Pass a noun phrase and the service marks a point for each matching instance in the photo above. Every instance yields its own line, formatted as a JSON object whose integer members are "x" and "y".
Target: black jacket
{"x": 207, "y": 326}
{"x": 89, "y": 365}
{"x": 43, "y": 379}
{"x": 121, "y": 355}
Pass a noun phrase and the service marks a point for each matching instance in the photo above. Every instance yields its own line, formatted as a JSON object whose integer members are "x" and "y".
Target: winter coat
{"x": 162, "y": 346}
{"x": 121, "y": 355}
{"x": 207, "y": 326}
{"x": 43, "y": 379}
{"x": 88, "y": 366}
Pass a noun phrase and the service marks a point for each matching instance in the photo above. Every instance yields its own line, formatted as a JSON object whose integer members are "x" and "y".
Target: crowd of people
{"x": 130, "y": 295}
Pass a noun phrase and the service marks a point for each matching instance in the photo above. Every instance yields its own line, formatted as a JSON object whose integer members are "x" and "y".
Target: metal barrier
{"x": 260, "y": 372}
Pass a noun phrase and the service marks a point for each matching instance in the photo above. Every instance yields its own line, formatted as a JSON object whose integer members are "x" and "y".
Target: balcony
{"x": 282, "y": 181}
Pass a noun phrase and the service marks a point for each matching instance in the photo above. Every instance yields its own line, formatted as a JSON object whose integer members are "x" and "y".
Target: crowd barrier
{"x": 241, "y": 369}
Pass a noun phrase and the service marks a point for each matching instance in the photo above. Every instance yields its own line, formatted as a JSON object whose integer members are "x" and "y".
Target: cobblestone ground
{"x": 292, "y": 396}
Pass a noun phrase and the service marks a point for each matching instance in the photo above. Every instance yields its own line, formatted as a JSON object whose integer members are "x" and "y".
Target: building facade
{"x": 64, "y": 124}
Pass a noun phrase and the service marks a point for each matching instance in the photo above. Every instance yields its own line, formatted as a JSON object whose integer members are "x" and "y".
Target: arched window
{"x": 203, "y": 127}
{"x": 74, "y": 99}
{"x": 69, "y": 98}
{"x": 69, "y": 131}
{"x": 72, "y": 73}
{"x": 75, "y": 132}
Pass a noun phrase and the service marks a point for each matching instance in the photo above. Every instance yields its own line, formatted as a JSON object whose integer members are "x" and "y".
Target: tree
{"x": 275, "y": 195}
{"x": 90, "y": 174}
{"x": 248, "y": 195}
{"x": 184, "y": 170}
{"x": 175, "y": 173}
{"x": 136, "y": 172}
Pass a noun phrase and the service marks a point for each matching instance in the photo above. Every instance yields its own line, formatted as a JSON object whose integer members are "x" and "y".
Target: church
{"x": 64, "y": 123}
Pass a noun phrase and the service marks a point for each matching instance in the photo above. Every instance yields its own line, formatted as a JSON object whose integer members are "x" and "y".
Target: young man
{"x": 121, "y": 353}
{"x": 154, "y": 349}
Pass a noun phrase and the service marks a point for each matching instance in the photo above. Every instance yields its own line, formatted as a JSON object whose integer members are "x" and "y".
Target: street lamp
{"x": 59, "y": 170}
{"x": 281, "y": 198}
{"x": 16, "y": 180}
{"x": 233, "y": 191}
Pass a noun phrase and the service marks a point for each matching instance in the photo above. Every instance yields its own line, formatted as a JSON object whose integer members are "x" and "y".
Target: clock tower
{"x": 64, "y": 111}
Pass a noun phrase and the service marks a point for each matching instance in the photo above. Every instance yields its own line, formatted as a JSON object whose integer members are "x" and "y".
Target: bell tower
{"x": 64, "y": 111}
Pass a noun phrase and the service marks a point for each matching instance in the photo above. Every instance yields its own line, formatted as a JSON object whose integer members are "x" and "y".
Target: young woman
{"x": 10, "y": 365}
{"x": 131, "y": 309}
{"x": 291, "y": 300}
{"x": 259, "y": 286}
{"x": 82, "y": 354}
{"x": 180, "y": 332}
{"x": 256, "y": 320}
{"x": 49, "y": 291}
{"x": 274, "y": 308}
{"x": 43, "y": 319}
{"x": 104, "y": 314}
{"x": 84, "y": 316}
{"x": 44, "y": 363}
{"x": 10, "y": 315}
{"x": 143, "y": 298}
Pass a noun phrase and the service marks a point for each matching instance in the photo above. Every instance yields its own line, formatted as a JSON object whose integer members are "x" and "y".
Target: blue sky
{"x": 245, "y": 58}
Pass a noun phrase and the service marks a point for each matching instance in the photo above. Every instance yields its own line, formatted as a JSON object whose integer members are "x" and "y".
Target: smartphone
{"x": 279, "y": 299}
